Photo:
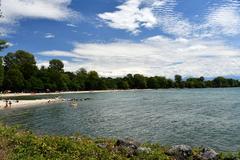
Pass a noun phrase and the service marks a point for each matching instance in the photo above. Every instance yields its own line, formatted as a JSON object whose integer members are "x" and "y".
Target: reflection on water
{"x": 208, "y": 117}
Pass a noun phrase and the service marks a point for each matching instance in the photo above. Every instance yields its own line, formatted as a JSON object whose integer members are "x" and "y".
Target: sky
{"x": 192, "y": 38}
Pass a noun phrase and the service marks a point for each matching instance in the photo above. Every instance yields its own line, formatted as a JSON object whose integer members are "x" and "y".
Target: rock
{"x": 127, "y": 146}
{"x": 103, "y": 146}
{"x": 180, "y": 152}
{"x": 209, "y": 154}
{"x": 143, "y": 150}
{"x": 127, "y": 143}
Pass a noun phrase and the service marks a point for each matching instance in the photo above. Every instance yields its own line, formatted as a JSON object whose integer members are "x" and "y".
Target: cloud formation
{"x": 222, "y": 18}
{"x": 49, "y": 35}
{"x": 15, "y": 10}
{"x": 129, "y": 16}
{"x": 156, "y": 55}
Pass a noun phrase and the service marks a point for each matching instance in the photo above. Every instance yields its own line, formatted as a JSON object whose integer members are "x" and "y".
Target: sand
{"x": 38, "y": 102}
{"x": 29, "y": 103}
{"x": 53, "y": 93}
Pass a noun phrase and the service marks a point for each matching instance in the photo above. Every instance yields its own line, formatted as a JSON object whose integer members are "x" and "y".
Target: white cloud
{"x": 225, "y": 19}
{"x": 222, "y": 18}
{"x": 49, "y": 35}
{"x": 133, "y": 15}
{"x": 15, "y": 10}
{"x": 9, "y": 44}
{"x": 129, "y": 16}
{"x": 71, "y": 25}
{"x": 155, "y": 56}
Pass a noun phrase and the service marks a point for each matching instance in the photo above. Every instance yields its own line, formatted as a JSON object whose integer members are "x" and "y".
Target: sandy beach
{"x": 31, "y": 103}
{"x": 28, "y": 103}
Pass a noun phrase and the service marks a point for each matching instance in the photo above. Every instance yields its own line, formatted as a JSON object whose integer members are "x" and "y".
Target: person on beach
{"x": 10, "y": 104}
{"x": 6, "y": 104}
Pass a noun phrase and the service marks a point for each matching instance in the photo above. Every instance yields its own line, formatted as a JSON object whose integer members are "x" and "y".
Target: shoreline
{"x": 28, "y": 103}
{"x": 25, "y": 144}
{"x": 6, "y": 95}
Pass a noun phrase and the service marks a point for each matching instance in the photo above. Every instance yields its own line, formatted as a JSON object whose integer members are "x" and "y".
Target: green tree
{"x": 152, "y": 83}
{"x": 140, "y": 81}
{"x": 129, "y": 78}
{"x": 3, "y": 45}
{"x": 1, "y": 72}
{"x": 122, "y": 84}
{"x": 92, "y": 80}
{"x": 220, "y": 82}
{"x": 56, "y": 74}
{"x": 14, "y": 80}
{"x": 81, "y": 78}
{"x": 22, "y": 60}
{"x": 36, "y": 84}
{"x": 162, "y": 82}
{"x": 56, "y": 65}
{"x": 178, "y": 81}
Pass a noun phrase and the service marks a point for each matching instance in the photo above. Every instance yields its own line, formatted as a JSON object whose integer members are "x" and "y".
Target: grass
{"x": 17, "y": 144}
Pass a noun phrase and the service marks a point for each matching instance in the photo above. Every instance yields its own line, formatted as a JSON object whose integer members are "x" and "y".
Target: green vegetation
{"x": 17, "y": 144}
{"x": 19, "y": 73}
{"x": 22, "y": 145}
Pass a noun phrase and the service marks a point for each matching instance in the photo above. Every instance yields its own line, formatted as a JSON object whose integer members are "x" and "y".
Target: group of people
{"x": 8, "y": 103}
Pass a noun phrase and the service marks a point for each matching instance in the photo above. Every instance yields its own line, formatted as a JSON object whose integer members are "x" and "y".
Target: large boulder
{"x": 127, "y": 146}
{"x": 127, "y": 143}
{"x": 209, "y": 154}
{"x": 180, "y": 152}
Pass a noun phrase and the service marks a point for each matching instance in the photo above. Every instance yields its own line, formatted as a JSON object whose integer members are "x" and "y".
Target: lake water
{"x": 197, "y": 117}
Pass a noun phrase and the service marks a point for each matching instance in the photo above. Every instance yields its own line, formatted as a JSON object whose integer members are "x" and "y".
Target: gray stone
{"x": 180, "y": 152}
{"x": 127, "y": 143}
{"x": 103, "y": 146}
{"x": 128, "y": 146}
{"x": 209, "y": 154}
{"x": 143, "y": 150}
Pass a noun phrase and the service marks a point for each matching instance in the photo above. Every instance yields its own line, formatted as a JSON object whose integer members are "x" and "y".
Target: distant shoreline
{"x": 6, "y": 95}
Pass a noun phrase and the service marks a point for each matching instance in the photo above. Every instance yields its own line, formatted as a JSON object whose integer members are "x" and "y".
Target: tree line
{"x": 19, "y": 73}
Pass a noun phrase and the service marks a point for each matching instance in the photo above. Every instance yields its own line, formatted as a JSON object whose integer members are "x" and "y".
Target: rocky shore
{"x": 178, "y": 152}
{"x": 17, "y": 144}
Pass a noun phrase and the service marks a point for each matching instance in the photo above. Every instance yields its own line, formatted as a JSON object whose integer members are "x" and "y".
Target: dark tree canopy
{"x": 3, "y": 44}
{"x": 56, "y": 65}
{"x": 1, "y": 72}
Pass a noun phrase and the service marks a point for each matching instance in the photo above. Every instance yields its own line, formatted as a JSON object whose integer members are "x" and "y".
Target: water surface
{"x": 198, "y": 117}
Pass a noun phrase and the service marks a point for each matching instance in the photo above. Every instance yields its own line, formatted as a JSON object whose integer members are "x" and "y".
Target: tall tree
{"x": 1, "y": 72}
{"x": 3, "y": 44}
{"x": 14, "y": 80}
{"x": 92, "y": 82}
{"x": 22, "y": 60}
{"x": 178, "y": 81}
{"x": 140, "y": 81}
{"x": 56, "y": 65}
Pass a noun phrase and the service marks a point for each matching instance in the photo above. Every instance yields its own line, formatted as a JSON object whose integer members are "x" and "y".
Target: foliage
{"x": 1, "y": 72}
{"x": 16, "y": 144}
{"x": 21, "y": 145}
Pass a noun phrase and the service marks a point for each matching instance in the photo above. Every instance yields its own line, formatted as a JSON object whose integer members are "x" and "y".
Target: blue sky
{"x": 116, "y": 37}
